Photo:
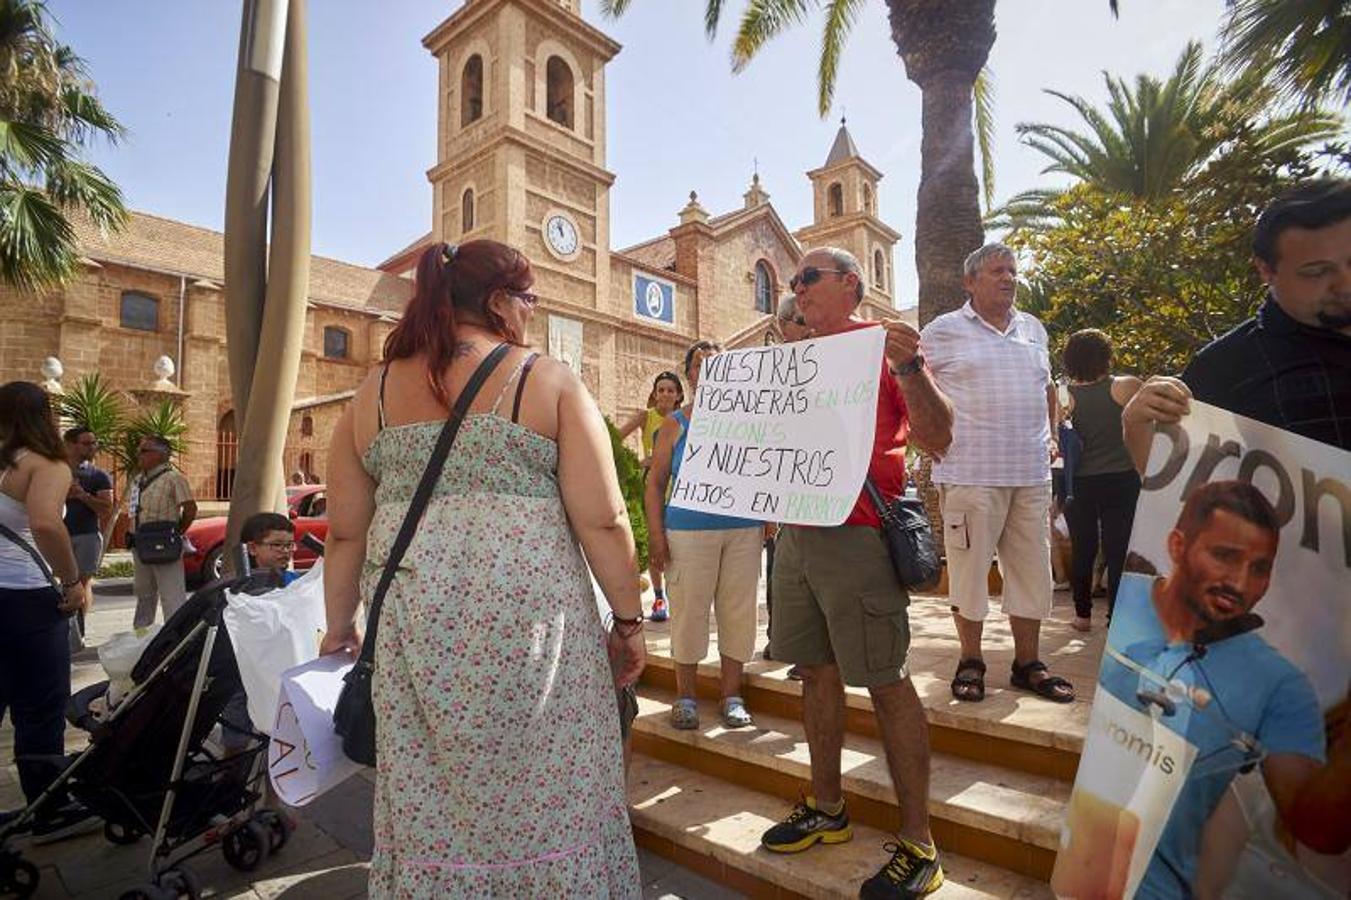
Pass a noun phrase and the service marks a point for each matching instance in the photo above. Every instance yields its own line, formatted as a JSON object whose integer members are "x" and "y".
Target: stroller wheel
{"x": 278, "y": 827}
{"x": 180, "y": 884}
{"x": 247, "y": 846}
{"x": 18, "y": 877}
{"x": 117, "y": 833}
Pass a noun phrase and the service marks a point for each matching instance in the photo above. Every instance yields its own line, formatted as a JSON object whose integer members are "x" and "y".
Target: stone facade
{"x": 521, "y": 142}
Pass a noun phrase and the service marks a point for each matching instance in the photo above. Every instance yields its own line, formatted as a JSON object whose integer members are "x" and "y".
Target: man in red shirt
{"x": 840, "y": 613}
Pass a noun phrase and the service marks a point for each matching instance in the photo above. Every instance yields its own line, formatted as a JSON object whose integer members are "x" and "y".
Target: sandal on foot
{"x": 685, "y": 714}
{"x": 734, "y": 713}
{"x": 969, "y": 685}
{"x": 1052, "y": 687}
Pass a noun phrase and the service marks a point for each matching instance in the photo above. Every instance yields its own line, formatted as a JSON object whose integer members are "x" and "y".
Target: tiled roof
{"x": 154, "y": 242}
{"x": 658, "y": 253}
{"x": 415, "y": 245}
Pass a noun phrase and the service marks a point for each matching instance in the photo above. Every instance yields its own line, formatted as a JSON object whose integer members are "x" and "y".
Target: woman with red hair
{"x": 500, "y": 770}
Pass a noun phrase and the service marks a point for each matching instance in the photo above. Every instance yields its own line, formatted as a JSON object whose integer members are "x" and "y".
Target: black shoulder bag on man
{"x": 155, "y": 543}
{"x": 909, "y": 537}
{"x": 354, "y": 716}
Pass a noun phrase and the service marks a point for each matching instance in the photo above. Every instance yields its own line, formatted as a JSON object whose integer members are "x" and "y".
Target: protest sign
{"x": 1224, "y": 681}
{"x": 305, "y": 757}
{"x": 783, "y": 433}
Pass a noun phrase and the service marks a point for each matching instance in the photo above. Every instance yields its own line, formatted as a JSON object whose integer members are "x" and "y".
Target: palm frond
{"x": 1304, "y": 48}
{"x": 37, "y": 243}
{"x": 840, "y": 18}
{"x": 983, "y": 125}
{"x": 712, "y": 16}
{"x": 80, "y": 185}
{"x": 763, "y": 20}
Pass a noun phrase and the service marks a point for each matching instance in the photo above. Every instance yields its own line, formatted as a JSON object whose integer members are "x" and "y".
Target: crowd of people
{"x": 500, "y": 763}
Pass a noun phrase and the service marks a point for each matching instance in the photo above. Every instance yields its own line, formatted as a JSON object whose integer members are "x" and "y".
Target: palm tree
{"x": 1155, "y": 136}
{"x": 1304, "y": 45}
{"x": 944, "y": 46}
{"x": 48, "y": 114}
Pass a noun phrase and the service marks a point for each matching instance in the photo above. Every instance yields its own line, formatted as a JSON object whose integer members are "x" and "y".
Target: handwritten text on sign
{"x": 783, "y": 433}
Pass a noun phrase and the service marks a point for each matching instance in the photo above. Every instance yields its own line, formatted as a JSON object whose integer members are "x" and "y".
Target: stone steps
{"x": 985, "y": 811}
{"x": 1010, "y": 729}
{"x": 713, "y": 826}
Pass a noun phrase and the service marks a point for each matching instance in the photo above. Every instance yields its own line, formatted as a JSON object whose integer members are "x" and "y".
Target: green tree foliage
{"x": 1302, "y": 46}
{"x": 1155, "y": 137}
{"x": 48, "y": 115}
{"x": 631, "y": 483}
{"x": 1163, "y": 276}
{"x": 1160, "y": 279}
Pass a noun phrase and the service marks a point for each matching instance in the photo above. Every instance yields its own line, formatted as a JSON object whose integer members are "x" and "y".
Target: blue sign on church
{"x": 653, "y": 300}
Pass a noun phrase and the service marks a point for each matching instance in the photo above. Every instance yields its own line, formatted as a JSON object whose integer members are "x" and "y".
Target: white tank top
{"x": 17, "y": 570}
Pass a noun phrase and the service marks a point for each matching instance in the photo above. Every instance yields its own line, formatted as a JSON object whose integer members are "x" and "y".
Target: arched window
{"x": 307, "y": 425}
{"x": 336, "y": 342}
{"x": 879, "y": 269}
{"x": 471, "y": 91}
{"x": 558, "y": 96}
{"x": 868, "y": 198}
{"x": 138, "y": 311}
{"x": 467, "y": 211}
{"x": 835, "y": 199}
{"x": 764, "y": 288}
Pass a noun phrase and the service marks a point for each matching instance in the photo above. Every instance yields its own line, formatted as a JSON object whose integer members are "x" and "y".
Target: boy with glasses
{"x": 271, "y": 539}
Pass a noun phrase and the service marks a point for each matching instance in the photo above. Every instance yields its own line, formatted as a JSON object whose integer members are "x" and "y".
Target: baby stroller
{"x": 149, "y": 768}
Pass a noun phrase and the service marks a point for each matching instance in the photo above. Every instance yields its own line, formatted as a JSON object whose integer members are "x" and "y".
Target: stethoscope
{"x": 1168, "y": 693}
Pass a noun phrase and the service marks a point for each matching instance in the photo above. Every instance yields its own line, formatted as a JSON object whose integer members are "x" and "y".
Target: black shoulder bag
{"x": 155, "y": 543}
{"x": 354, "y": 716}
{"x": 909, "y": 537}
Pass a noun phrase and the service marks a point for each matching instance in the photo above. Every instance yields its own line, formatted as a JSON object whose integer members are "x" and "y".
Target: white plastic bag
{"x": 118, "y": 656}
{"x": 274, "y": 632}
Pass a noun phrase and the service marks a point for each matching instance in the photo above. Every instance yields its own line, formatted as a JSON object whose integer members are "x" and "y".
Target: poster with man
{"x": 1218, "y": 757}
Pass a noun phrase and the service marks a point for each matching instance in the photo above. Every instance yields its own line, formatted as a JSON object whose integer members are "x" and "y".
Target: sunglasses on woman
{"x": 810, "y": 275}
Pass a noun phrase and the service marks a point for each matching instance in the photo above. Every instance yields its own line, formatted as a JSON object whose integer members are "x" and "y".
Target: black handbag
{"x": 354, "y": 714}
{"x": 155, "y": 543}
{"x": 909, "y": 537}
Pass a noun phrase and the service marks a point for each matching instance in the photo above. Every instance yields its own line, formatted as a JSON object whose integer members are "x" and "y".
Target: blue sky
{"x": 678, "y": 118}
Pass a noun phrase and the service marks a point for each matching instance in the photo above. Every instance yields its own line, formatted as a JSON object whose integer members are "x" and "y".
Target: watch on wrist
{"x": 916, "y": 363}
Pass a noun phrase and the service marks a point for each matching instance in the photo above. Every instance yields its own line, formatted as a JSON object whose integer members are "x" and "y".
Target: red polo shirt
{"x": 887, "y": 468}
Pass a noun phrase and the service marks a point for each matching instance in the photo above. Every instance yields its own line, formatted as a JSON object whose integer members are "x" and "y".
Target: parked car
{"x": 307, "y": 505}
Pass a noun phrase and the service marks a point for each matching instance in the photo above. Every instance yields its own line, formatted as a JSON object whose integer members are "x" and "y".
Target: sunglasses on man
{"x": 810, "y": 275}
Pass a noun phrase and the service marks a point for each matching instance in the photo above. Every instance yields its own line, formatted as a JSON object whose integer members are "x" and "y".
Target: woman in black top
{"x": 1105, "y": 484}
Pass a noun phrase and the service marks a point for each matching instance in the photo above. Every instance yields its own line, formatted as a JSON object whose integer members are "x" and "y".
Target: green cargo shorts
{"x": 837, "y": 600}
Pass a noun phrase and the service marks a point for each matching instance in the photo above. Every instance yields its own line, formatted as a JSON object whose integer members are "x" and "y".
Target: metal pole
{"x": 183, "y": 738}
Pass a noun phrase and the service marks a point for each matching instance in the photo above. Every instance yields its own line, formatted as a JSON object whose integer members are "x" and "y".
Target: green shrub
{"x": 630, "y": 472}
{"x": 122, "y": 569}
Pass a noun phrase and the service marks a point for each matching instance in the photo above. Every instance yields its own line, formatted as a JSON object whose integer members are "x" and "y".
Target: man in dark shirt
{"x": 88, "y": 506}
{"x": 1289, "y": 365}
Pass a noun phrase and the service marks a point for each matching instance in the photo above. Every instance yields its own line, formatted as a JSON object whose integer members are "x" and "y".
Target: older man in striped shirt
{"x": 994, "y": 482}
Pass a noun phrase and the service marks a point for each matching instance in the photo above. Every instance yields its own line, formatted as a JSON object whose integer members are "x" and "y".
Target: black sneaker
{"x": 805, "y": 826}
{"x": 908, "y": 875}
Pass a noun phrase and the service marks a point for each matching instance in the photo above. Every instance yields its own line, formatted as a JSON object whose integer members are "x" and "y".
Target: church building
{"x": 521, "y": 158}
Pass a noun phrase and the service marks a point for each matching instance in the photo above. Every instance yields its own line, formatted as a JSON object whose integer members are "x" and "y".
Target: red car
{"x": 307, "y": 506}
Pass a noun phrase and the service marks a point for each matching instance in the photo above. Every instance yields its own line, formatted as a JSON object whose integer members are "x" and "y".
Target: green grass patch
{"x": 121, "y": 569}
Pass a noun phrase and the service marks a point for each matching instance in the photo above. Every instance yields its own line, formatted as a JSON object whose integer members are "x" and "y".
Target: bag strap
{"x": 141, "y": 486}
{"x": 423, "y": 495}
{"x": 883, "y": 510}
{"x": 28, "y": 548}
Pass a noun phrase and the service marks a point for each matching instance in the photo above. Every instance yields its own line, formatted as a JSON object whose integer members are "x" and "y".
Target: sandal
{"x": 685, "y": 714}
{"x": 969, "y": 685}
{"x": 734, "y": 713}
{"x": 1052, "y": 687}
